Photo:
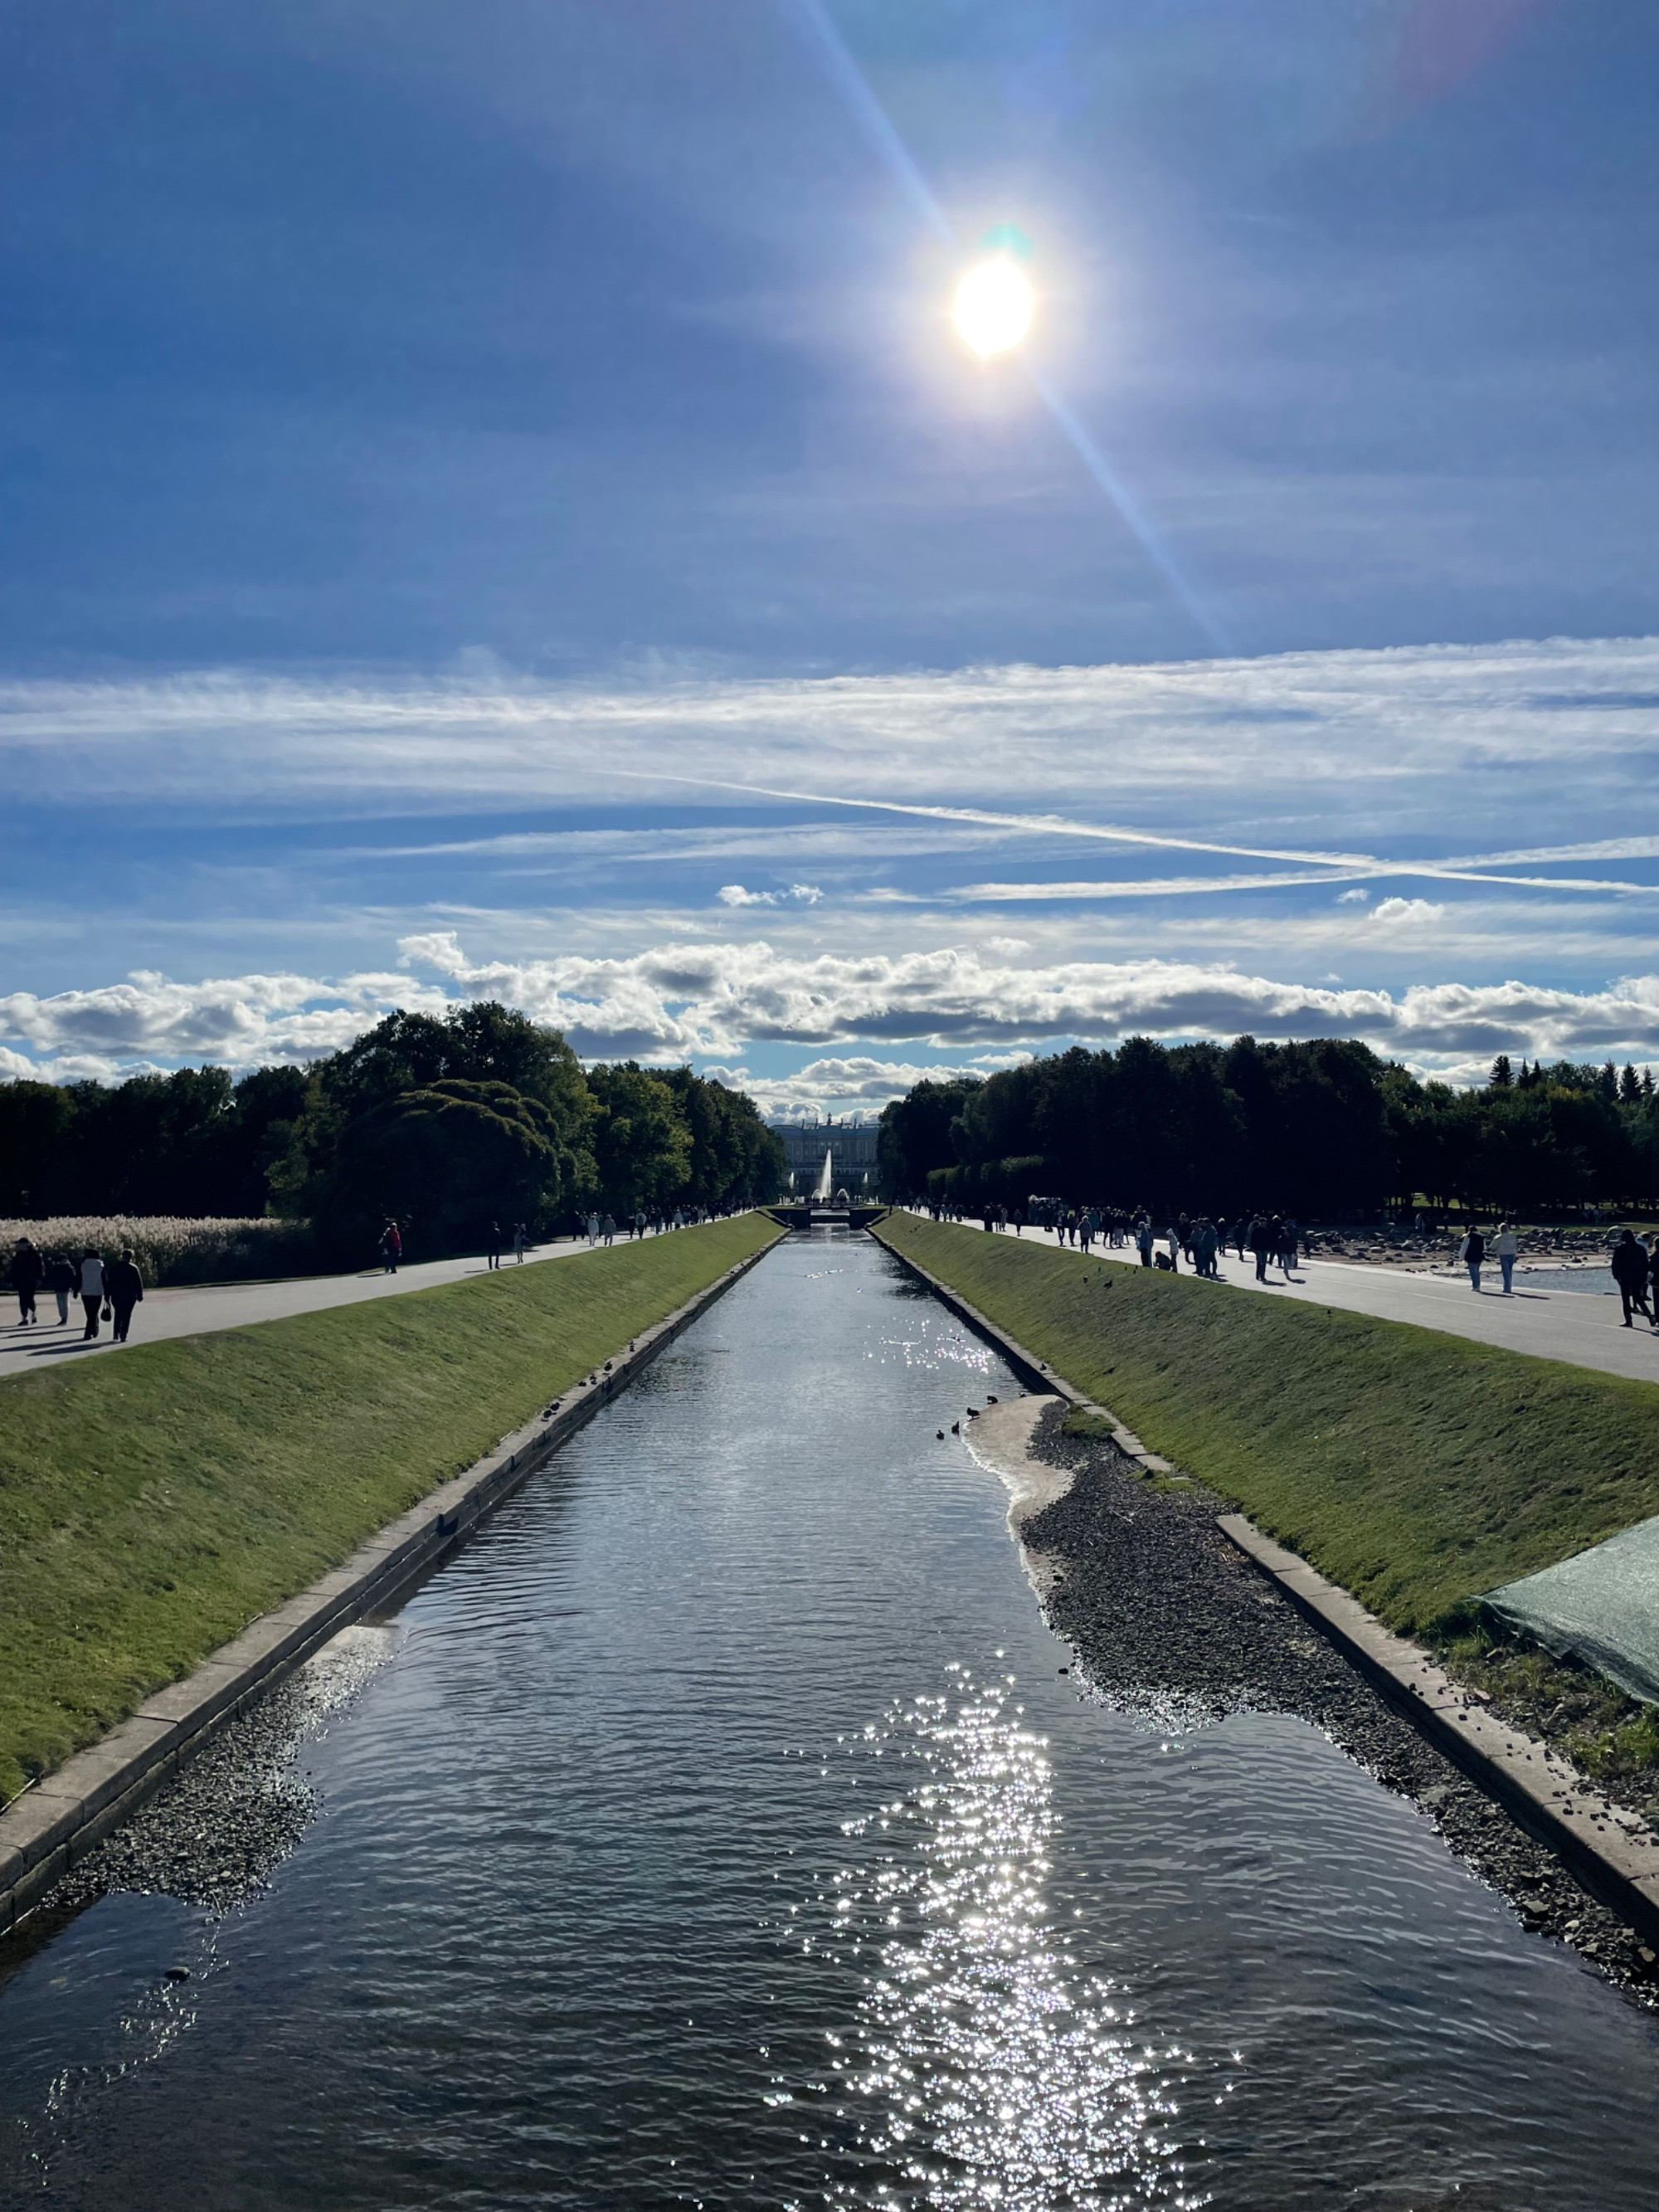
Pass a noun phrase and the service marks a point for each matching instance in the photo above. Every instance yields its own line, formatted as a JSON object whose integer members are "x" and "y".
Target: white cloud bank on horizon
{"x": 717, "y": 1002}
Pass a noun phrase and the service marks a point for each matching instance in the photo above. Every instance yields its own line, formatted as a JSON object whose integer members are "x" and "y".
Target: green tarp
{"x": 1600, "y": 1606}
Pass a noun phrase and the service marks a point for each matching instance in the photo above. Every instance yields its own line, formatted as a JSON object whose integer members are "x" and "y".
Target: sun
{"x": 994, "y": 305}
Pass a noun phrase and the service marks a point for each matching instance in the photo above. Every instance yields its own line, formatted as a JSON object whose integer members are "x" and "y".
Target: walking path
{"x": 1577, "y": 1326}
{"x": 198, "y": 1308}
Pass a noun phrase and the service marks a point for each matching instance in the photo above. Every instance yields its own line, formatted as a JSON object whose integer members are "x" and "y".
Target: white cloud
{"x": 1356, "y": 897}
{"x": 794, "y": 894}
{"x": 1392, "y": 913}
{"x": 715, "y": 1000}
{"x": 856, "y": 1087}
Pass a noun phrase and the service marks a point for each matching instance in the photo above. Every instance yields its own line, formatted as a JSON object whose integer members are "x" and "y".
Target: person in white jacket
{"x": 92, "y": 1291}
{"x": 1504, "y": 1250}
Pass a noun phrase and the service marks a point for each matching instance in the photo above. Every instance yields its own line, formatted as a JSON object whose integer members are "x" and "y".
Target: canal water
{"x": 718, "y": 1829}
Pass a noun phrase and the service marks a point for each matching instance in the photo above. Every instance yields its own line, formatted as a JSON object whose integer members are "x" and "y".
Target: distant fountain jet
{"x": 824, "y": 1188}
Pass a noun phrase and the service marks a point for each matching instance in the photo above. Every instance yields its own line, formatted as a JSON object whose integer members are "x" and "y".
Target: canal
{"x": 717, "y": 1828}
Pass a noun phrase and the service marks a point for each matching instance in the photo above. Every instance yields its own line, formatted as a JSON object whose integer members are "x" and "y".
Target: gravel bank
{"x": 1165, "y": 1615}
{"x": 215, "y": 1832}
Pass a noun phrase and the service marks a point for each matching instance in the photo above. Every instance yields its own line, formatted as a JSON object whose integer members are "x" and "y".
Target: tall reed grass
{"x": 171, "y": 1249}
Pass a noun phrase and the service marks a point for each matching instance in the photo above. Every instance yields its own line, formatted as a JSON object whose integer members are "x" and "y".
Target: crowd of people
{"x": 106, "y": 1290}
{"x": 1272, "y": 1239}
{"x": 1275, "y": 1240}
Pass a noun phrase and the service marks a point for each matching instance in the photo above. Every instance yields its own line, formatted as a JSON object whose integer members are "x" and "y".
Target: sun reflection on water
{"x": 987, "y": 2069}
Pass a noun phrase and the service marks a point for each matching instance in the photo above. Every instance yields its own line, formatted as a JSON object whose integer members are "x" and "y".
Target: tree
{"x": 914, "y": 1133}
{"x": 443, "y": 1160}
{"x": 735, "y": 1160}
{"x": 1502, "y": 1074}
{"x": 642, "y": 1146}
{"x": 35, "y": 1121}
{"x": 418, "y": 1052}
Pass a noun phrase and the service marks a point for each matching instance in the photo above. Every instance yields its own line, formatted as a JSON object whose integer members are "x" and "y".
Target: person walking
{"x": 1172, "y": 1245}
{"x": 493, "y": 1250}
{"x": 1504, "y": 1250}
{"x": 123, "y": 1288}
{"x": 609, "y": 1226}
{"x": 520, "y": 1240}
{"x": 91, "y": 1288}
{"x": 62, "y": 1281}
{"x": 1630, "y": 1268}
{"x": 392, "y": 1248}
{"x": 1203, "y": 1235}
{"x": 1473, "y": 1255}
{"x": 26, "y": 1269}
{"x": 1144, "y": 1241}
{"x": 1261, "y": 1243}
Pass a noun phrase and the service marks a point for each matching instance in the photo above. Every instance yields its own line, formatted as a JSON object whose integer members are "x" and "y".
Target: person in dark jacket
{"x": 1261, "y": 1243}
{"x": 62, "y": 1281}
{"x": 124, "y": 1286}
{"x": 26, "y": 1269}
{"x": 1473, "y": 1257}
{"x": 1629, "y": 1265}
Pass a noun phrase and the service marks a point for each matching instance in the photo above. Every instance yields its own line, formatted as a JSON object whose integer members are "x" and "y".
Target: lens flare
{"x": 994, "y": 305}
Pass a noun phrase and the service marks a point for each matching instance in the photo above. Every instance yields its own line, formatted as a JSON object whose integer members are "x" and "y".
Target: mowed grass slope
{"x": 153, "y": 1502}
{"x": 1414, "y": 1468}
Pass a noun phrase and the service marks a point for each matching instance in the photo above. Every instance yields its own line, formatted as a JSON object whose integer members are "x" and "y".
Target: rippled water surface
{"x": 716, "y": 1830}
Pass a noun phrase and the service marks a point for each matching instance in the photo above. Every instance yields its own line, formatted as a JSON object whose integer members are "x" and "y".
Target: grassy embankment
{"x": 1414, "y": 1468}
{"x": 152, "y": 1502}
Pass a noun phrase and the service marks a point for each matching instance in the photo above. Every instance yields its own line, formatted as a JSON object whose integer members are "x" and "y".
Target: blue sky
{"x": 494, "y": 502}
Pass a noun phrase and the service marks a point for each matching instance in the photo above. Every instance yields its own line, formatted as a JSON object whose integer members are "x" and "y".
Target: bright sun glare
{"x": 994, "y": 308}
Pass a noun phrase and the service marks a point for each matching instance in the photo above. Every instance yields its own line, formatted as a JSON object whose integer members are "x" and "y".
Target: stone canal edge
{"x": 58, "y": 1820}
{"x": 1604, "y": 1847}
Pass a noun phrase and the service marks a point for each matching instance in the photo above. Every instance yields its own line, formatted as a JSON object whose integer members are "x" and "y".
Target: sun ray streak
{"x": 1135, "y": 520}
{"x": 818, "y": 29}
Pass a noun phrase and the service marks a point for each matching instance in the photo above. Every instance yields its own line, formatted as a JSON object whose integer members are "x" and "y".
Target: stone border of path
{"x": 58, "y": 1821}
{"x": 1602, "y": 1846}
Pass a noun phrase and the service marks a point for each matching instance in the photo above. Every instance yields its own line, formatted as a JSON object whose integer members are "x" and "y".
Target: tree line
{"x": 443, "y": 1123}
{"x": 1324, "y": 1130}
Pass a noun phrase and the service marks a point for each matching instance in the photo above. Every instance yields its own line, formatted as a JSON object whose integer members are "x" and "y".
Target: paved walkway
{"x": 193, "y": 1310}
{"x": 1577, "y": 1326}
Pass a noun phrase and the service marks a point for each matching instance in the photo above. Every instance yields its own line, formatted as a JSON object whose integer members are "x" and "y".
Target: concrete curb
{"x": 58, "y": 1820}
{"x": 1035, "y": 1373}
{"x": 1607, "y": 1851}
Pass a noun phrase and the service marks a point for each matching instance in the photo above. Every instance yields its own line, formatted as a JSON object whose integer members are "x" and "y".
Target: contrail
{"x": 817, "y": 27}
{"x": 1355, "y": 866}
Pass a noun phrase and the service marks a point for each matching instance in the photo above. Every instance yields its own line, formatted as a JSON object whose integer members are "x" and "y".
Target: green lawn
{"x": 152, "y": 1502}
{"x": 1414, "y": 1468}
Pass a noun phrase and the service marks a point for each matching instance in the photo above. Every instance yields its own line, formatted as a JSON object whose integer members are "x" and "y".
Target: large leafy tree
{"x": 913, "y": 1136}
{"x": 643, "y": 1147}
{"x": 444, "y": 1160}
